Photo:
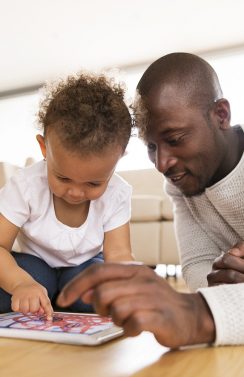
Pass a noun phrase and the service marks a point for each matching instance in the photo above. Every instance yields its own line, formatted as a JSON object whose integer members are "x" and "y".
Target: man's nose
{"x": 164, "y": 160}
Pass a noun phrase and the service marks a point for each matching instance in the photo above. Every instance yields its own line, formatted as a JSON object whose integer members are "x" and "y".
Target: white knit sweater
{"x": 205, "y": 226}
{"x": 226, "y": 303}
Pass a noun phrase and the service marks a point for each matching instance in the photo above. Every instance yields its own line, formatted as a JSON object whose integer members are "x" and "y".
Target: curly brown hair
{"x": 87, "y": 112}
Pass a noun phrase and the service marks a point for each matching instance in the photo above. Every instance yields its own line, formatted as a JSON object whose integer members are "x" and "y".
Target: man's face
{"x": 185, "y": 144}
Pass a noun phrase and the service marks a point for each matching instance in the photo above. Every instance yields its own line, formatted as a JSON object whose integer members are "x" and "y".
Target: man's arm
{"x": 226, "y": 303}
{"x": 139, "y": 300}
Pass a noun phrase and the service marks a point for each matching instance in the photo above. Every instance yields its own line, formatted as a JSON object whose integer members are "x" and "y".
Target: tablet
{"x": 71, "y": 328}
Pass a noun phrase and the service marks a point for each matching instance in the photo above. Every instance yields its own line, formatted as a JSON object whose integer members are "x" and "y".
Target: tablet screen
{"x": 64, "y": 327}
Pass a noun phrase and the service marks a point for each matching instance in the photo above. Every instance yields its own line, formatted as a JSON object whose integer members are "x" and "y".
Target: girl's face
{"x": 73, "y": 178}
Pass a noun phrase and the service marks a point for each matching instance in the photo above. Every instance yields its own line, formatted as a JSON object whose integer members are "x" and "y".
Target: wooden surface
{"x": 141, "y": 356}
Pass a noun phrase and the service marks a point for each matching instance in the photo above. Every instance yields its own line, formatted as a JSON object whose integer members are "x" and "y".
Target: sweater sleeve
{"x": 226, "y": 303}
{"x": 197, "y": 251}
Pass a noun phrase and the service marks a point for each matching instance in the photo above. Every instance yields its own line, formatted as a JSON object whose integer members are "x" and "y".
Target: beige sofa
{"x": 152, "y": 231}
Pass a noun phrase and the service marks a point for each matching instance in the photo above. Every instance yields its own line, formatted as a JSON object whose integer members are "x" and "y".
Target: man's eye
{"x": 151, "y": 147}
{"x": 175, "y": 141}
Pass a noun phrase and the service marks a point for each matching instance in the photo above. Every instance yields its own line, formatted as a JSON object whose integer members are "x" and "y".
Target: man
{"x": 185, "y": 123}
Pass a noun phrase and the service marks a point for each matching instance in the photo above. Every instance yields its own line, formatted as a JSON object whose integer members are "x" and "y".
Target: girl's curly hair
{"x": 87, "y": 112}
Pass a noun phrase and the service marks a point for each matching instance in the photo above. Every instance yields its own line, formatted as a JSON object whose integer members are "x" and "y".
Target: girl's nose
{"x": 76, "y": 192}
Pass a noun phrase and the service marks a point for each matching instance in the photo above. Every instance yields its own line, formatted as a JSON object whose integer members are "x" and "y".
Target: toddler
{"x": 69, "y": 210}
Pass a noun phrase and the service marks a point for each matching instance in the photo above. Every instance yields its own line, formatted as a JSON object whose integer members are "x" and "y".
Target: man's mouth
{"x": 176, "y": 177}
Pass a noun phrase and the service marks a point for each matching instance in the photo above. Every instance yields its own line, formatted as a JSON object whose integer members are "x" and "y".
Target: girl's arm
{"x": 116, "y": 245}
{"x": 27, "y": 294}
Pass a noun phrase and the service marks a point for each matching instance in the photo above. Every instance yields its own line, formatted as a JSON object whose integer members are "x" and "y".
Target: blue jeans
{"x": 53, "y": 279}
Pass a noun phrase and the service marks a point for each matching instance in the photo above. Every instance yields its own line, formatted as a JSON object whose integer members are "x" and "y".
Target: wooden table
{"x": 141, "y": 356}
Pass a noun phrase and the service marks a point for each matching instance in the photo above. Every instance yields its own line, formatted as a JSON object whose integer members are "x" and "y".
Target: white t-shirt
{"x": 27, "y": 202}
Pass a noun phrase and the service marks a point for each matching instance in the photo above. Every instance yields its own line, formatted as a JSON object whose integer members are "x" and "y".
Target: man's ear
{"x": 42, "y": 144}
{"x": 222, "y": 110}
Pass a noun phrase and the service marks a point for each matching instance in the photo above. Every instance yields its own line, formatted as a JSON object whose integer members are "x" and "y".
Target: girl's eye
{"x": 63, "y": 179}
{"x": 94, "y": 184}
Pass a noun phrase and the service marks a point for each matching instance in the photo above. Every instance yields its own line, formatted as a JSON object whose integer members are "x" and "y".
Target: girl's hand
{"x": 31, "y": 298}
{"x": 229, "y": 267}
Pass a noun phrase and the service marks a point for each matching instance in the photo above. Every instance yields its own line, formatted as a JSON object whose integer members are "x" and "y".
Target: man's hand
{"x": 31, "y": 298}
{"x": 139, "y": 300}
{"x": 229, "y": 267}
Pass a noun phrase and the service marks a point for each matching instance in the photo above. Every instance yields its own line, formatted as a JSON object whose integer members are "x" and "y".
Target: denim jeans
{"x": 52, "y": 278}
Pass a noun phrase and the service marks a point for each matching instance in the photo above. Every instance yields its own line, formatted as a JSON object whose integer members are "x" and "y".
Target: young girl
{"x": 69, "y": 210}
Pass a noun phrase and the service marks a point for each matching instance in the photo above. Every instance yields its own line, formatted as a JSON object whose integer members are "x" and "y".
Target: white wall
{"x": 17, "y": 114}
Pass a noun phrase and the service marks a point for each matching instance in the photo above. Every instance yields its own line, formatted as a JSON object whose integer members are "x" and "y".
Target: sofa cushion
{"x": 145, "y": 241}
{"x": 148, "y": 183}
{"x": 150, "y": 208}
{"x": 146, "y": 208}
